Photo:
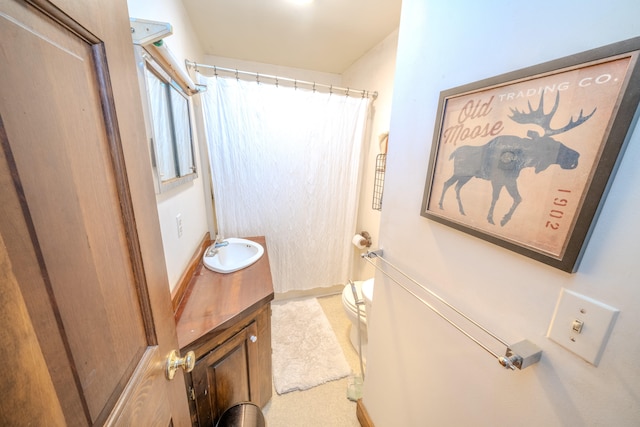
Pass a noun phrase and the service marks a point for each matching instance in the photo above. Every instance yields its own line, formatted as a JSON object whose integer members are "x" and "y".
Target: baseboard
{"x": 363, "y": 415}
{"x": 181, "y": 287}
{"x": 315, "y": 292}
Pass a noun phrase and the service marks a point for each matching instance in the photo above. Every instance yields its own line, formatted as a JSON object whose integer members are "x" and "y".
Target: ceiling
{"x": 325, "y": 35}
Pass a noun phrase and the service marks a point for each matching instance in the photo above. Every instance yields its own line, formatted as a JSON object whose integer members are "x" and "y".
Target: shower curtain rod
{"x": 258, "y": 76}
{"x": 519, "y": 355}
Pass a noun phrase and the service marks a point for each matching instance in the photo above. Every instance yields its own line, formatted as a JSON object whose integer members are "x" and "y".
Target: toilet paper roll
{"x": 359, "y": 241}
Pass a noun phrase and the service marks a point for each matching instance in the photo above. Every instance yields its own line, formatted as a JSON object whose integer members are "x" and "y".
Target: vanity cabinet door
{"x": 226, "y": 375}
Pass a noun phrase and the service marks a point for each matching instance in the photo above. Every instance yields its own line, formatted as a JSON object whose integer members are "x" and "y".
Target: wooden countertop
{"x": 213, "y": 300}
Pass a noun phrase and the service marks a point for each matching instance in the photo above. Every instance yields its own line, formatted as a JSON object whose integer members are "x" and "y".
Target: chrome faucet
{"x": 219, "y": 243}
{"x": 213, "y": 249}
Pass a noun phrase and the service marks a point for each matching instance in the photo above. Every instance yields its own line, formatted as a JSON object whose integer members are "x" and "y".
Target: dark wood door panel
{"x": 62, "y": 163}
{"x": 67, "y": 216}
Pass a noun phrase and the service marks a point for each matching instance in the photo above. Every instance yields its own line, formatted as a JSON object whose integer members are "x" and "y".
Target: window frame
{"x": 146, "y": 65}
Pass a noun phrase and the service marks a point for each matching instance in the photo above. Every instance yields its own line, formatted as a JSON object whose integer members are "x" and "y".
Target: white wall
{"x": 188, "y": 200}
{"x": 421, "y": 371}
{"x": 373, "y": 72}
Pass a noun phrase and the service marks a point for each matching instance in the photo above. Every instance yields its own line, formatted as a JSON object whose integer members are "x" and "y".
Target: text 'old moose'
{"x": 501, "y": 159}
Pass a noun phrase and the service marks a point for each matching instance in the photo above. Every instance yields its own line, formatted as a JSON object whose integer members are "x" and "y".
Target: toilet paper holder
{"x": 363, "y": 239}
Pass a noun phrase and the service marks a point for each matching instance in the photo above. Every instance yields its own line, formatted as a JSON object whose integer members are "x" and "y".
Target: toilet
{"x": 365, "y": 291}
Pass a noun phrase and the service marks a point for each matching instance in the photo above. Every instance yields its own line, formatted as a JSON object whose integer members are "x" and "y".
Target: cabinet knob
{"x": 174, "y": 361}
{"x": 253, "y": 338}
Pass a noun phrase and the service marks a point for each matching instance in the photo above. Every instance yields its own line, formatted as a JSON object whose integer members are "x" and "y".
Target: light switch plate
{"x": 597, "y": 322}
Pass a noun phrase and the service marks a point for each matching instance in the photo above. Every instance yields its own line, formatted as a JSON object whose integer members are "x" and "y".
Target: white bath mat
{"x": 306, "y": 352}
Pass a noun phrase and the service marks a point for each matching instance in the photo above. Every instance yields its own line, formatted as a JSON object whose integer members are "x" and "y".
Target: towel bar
{"x": 519, "y": 355}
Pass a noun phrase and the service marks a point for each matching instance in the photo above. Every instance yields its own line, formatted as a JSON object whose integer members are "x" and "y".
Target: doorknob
{"x": 174, "y": 361}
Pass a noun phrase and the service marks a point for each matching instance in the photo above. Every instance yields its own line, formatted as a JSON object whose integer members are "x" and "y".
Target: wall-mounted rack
{"x": 378, "y": 183}
{"x": 519, "y": 355}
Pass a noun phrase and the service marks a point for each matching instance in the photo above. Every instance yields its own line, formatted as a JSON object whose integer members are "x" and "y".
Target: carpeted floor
{"x": 326, "y": 405}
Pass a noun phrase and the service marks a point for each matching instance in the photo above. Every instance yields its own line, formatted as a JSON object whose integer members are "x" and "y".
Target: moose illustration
{"x": 501, "y": 159}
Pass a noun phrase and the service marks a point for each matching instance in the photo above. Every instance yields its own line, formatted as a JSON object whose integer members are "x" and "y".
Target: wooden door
{"x": 86, "y": 311}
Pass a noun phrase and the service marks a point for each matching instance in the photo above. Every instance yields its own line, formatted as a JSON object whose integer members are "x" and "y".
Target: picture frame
{"x": 524, "y": 160}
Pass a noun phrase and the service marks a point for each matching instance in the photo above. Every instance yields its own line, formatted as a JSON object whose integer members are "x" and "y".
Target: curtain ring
{"x": 237, "y": 78}
{"x": 295, "y": 84}
{"x": 276, "y": 81}
{"x": 314, "y": 86}
{"x": 346, "y": 92}
{"x": 331, "y": 90}
{"x": 215, "y": 71}
{"x": 363, "y": 94}
{"x": 257, "y": 78}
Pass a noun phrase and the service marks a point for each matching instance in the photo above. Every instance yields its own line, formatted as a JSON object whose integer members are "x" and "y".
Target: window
{"x": 168, "y": 117}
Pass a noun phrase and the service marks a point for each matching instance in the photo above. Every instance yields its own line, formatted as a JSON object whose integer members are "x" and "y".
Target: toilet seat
{"x": 364, "y": 291}
{"x": 347, "y": 298}
{"x": 358, "y": 331}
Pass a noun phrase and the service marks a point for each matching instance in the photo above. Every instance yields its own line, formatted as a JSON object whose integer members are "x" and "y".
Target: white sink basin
{"x": 236, "y": 255}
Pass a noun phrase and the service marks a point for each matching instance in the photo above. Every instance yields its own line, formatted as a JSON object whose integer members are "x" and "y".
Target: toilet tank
{"x": 367, "y": 293}
{"x": 367, "y": 290}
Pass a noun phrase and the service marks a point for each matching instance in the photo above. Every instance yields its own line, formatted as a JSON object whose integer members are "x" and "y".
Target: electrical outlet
{"x": 179, "y": 224}
{"x": 582, "y": 325}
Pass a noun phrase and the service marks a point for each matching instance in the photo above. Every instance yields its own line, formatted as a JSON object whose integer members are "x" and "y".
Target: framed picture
{"x": 523, "y": 160}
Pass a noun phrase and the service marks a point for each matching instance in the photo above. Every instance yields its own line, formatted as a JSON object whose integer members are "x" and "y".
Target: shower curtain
{"x": 285, "y": 164}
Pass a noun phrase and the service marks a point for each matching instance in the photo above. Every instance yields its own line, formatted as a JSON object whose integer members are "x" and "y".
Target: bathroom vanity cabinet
{"x": 225, "y": 319}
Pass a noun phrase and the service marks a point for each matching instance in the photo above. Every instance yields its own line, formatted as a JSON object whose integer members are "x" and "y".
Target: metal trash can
{"x": 245, "y": 414}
